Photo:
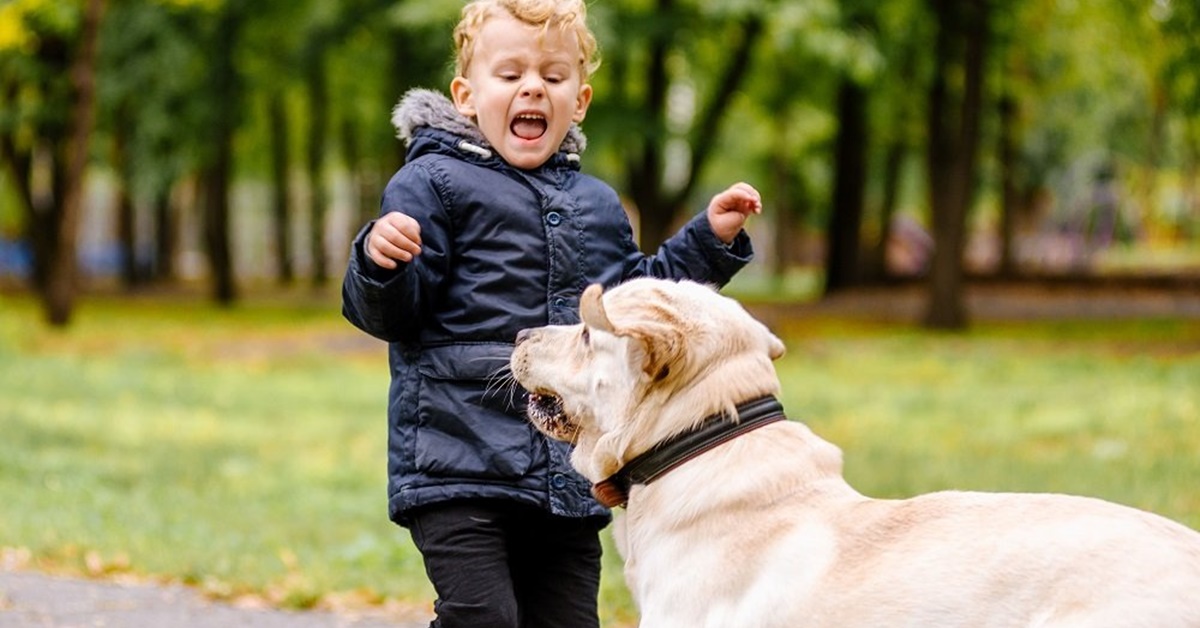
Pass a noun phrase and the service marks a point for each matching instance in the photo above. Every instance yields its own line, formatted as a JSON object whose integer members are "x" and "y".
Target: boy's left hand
{"x": 727, "y": 211}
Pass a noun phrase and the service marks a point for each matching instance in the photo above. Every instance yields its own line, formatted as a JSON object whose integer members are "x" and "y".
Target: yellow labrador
{"x": 747, "y": 522}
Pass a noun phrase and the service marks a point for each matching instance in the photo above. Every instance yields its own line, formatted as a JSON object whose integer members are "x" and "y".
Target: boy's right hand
{"x": 395, "y": 237}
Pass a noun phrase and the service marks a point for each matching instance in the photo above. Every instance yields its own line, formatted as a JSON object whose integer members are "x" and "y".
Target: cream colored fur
{"x": 764, "y": 532}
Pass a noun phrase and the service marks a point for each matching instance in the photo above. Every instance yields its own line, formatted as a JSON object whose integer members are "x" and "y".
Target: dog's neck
{"x": 669, "y": 454}
{"x": 724, "y": 386}
{"x": 662, "y": 410}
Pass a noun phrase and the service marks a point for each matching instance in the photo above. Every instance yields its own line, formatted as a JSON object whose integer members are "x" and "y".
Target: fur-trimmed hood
{"x": 428, "y": 108}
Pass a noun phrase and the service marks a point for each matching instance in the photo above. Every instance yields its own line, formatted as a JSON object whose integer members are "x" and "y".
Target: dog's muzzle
{"x": 546, "y": 412}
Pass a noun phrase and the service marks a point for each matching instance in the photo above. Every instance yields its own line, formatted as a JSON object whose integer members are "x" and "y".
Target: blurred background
{"x": 180, "y": 180}
{"x": 230, "y": 143}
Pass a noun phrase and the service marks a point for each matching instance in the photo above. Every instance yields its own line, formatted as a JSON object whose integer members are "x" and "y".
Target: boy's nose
{"x": 533, "y": 88}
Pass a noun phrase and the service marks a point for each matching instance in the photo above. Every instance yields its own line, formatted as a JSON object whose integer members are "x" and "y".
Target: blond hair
{"x": 569, "y": 16}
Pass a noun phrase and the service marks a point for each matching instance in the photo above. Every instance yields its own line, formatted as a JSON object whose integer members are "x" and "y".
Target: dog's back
{"x": 770, "y": 528}
{"x": 1005, "y": 559}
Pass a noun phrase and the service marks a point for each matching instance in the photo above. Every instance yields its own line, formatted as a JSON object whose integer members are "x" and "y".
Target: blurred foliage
{"x": 1111, "y": 86}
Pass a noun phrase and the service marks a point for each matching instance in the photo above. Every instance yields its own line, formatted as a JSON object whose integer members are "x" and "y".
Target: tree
{"x": 1179, "y": 23}
{"x": 955, "y": 114}
{"x": 152, "y": 68}
{"x": 62, "y": 281}
{"x": 49, "y": 90}
{"x": 659, "y": 178}
{"x": 35, "y": 126}
{"x": 317, "y": 90}
{"x": 281, "y": 202}
{"x": 224, "y": 106}
{"x": 842, "y": 265}
{"x": 896, "y": 121}
{"x": 844, "y": 262}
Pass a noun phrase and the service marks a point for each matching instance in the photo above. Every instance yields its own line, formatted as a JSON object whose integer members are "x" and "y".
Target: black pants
{"x": 499, "y": 565}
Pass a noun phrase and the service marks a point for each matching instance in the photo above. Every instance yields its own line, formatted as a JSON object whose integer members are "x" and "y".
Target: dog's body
{"x": 762, "y": 530}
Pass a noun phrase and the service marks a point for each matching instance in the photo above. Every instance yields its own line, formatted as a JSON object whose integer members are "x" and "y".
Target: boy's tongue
{"x": 528, "y": 128}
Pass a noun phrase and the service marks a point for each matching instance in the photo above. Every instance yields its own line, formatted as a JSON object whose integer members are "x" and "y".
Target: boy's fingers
{"x": 378, "y": 258}
{"x": 403, "y": 233}
{"x": 408, "y": 227}
{"x": 747, "y": 197}
{"x": 387, "y": 251}
{"x": 395, "y": 237}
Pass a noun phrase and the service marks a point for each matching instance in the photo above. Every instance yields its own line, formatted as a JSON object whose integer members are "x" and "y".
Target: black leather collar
{"x": 714, "y": 430}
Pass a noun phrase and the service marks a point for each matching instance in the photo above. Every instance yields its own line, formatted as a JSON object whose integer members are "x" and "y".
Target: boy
{"x": 490, "y": 228}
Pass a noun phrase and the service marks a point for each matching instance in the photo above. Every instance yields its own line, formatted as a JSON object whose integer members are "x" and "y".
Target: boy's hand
{"x": 394, "y": 237}
{"x": 727, "y": 211}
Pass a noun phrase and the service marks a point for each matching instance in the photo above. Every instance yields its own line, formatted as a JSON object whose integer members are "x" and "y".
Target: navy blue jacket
{"x": 503, "y": 249}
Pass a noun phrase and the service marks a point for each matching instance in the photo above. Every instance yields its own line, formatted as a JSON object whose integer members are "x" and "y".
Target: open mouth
{"x": 529, "y": 126}
{"x": 546, "y": 412}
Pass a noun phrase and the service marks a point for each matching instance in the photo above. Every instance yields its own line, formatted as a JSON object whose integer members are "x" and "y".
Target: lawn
{"x": 242, "y": 450}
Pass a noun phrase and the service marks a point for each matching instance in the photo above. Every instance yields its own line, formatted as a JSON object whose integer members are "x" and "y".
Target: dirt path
{"x": 30, "y": 600}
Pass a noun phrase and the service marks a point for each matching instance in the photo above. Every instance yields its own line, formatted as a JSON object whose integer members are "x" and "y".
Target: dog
{"x": 737, "y": 518}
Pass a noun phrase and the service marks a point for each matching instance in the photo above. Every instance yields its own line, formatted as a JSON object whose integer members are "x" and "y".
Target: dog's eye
{"x": 586, "y": 336}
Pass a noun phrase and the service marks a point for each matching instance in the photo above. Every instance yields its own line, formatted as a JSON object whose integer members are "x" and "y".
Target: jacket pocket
{"x": 468, "y": 424}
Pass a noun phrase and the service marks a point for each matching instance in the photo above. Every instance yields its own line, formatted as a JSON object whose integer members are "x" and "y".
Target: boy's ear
{"x": 581, "y": 103}
{"x": 460, "y": 91}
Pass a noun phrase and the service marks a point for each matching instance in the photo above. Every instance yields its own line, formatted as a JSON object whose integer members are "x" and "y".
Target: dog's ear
{"x": 661, "y": 346}
{"x": 591, "y": 309}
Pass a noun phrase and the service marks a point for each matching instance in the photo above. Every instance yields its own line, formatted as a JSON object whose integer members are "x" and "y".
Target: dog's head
{"x": 650, "y": 359}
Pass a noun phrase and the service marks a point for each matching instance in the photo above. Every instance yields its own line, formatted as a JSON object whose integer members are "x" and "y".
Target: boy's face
{"x": 524, "y": 92}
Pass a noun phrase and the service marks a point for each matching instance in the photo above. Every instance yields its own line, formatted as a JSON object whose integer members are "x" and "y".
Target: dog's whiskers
{"x": 501, "y": 381}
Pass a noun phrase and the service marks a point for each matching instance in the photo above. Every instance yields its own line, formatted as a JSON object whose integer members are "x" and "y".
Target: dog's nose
{"x": 522, "y": 336}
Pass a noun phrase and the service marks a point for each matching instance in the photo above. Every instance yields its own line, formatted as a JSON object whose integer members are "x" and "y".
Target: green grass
{"x": 1106, "y": 409}
{"x": 242, "y": 450}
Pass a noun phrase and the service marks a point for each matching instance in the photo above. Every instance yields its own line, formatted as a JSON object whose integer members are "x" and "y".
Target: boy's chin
{"x": 525, "y": 154}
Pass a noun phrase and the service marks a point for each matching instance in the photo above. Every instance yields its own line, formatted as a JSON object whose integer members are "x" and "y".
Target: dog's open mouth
{"x": 546, "y": 412}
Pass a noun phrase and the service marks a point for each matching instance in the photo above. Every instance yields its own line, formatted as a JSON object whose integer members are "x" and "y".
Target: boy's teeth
{"x": 529, "y": 127}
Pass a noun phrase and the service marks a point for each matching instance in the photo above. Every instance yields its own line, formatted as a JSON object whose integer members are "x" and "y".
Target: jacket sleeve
{"x": 389, "y": 304}
{"x": 696, "y": 253}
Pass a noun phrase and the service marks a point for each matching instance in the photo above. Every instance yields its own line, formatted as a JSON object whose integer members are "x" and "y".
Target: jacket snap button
{"x": 558, "y": 481}
{"x": 554, "y": 218}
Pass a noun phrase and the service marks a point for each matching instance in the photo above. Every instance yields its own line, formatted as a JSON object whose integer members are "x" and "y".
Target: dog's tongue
{"x": 528, "y": 128}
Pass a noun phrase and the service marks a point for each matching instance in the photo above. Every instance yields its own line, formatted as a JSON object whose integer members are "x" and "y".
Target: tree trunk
{"x": 47, "y": 164}
{"x": 893, "y": 167}
{"x": 842, "y": 264}
{"x": 62, "y": 279}
{"x": 126, "y": 216}
{"x": 318, "y": 99}
{"x": 20, "y": 167}
{"x": 35, "y": 165}
{"x": 896, "y": 153}
{"x": 216, "y": 177}
{"x": 281, "y": 200}
{"x": 954, "y": 127}
{"x": 1009, "y": 188}
{"x": 165, "y": 242}
{"x": 783, "y": 186}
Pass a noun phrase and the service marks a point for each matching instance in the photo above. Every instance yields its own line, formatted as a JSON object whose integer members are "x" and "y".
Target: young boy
{"x": 490, "y": 228}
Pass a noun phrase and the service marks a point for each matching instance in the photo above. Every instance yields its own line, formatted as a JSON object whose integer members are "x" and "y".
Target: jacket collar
{"x": 421, "y": 108}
